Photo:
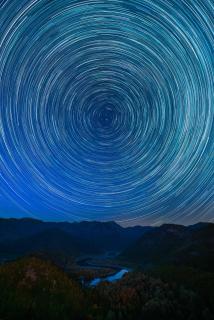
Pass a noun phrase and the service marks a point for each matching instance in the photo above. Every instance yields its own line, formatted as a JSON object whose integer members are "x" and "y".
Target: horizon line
{"x": 109, "y": 221}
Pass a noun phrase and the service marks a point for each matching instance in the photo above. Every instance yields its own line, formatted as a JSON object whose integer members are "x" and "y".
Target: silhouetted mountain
{"x": 146, "y": 246}
{"x": 51, "y": 240}
{"x": 26, "y": 236}
{"x": 175, "y": 244}
{"x": 16, "y": 228}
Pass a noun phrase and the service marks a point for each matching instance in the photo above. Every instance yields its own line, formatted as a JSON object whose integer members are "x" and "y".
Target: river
{"x": 112, "y": 278}
{"x": 117, "y": 275}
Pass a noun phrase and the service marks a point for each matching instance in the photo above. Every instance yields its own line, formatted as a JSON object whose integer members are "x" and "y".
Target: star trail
{"x": 106, "y": 110}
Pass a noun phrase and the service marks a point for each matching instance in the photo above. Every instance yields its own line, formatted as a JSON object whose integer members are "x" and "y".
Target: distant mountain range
{"x": 143, "y": 246}
{"x": 19, "y": 237}
{"x": 174, "y": 244}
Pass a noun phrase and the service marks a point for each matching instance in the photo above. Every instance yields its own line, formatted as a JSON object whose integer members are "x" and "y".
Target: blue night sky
{"x": 106, "y": 110}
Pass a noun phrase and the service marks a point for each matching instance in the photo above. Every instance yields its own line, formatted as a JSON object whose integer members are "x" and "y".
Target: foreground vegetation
{"x": 35, "y": 289}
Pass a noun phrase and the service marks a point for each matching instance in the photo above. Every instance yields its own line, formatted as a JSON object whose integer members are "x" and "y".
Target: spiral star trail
{"x": 106, "y": 110}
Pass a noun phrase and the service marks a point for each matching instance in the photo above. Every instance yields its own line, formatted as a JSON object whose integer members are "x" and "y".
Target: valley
{"x": 101, "y": 271}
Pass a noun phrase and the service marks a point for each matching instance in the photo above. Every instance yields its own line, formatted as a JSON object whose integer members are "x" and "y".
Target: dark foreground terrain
{"x": 35, "y": 289}
{"x": 43, "y": 265}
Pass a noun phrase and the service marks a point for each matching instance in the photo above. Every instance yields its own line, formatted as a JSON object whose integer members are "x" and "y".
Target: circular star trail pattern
{"x": 106, "y": 109}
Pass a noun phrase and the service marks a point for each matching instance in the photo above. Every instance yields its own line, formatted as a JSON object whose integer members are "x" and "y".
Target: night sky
{"x": 106, "y": 110}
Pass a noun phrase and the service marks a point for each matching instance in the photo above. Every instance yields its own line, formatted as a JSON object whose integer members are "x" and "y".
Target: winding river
{"x": 112, "y": 278}
{"x": 119, "y": 272}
